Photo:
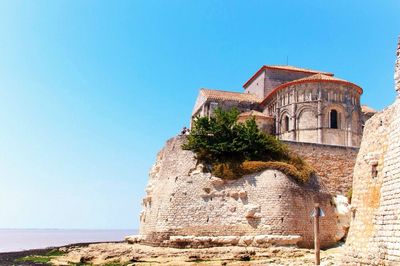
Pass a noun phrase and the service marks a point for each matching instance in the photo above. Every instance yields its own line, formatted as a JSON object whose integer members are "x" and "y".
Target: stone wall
{"x": 276, "y": 77}
{"x": 208, "y": 106}
{"x": 374, "y": 236}
{"x": 257, "y": 86}
{"x": 373, "y": 226}
{"x": 269, "y": 79}
{"x": 397, "y": 69}
{"x": 182, "y": 200}
{"x": 333, "y": 164}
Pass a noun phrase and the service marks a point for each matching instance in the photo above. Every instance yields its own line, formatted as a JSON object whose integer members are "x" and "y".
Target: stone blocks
{"x": 189, "y": 206}
{"x": 374, "y": 237}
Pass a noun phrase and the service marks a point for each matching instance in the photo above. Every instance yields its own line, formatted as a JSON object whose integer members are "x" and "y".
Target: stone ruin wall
{"x": 397, "y": 69}
{"x": 374, "y": 236}
{"x": 181, "y": 200}
{"x": 333, "y": 164}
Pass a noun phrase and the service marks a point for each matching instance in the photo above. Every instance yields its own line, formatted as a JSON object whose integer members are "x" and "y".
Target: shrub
{"x": 221, "y": 138}
{"x": 349, "y": 194}
{"x": 234, "y": 149}
{"x": 300, "y": 173}
{"x": 227, "y": 170}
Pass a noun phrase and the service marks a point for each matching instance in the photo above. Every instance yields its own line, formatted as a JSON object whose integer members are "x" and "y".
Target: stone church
{"x": 295, "y": 104}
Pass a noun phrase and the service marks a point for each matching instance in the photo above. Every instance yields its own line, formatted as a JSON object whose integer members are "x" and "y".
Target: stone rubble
{"x": 210, "y": 241}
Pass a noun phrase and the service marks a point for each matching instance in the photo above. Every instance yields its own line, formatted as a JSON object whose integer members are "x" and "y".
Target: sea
{"x": 25, "y": 239}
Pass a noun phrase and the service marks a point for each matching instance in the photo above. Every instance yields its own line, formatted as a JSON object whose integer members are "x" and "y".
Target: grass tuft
{"x": 295, "y": 168}
{"x": 42, "y": 259}
{"x": 35, "y": 259}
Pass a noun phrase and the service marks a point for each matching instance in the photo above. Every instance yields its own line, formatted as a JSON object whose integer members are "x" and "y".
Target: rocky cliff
{"x": 185, "y": 206}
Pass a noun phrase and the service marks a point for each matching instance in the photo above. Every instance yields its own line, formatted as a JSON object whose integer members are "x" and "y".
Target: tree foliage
{"x": 220, "y": 138}
{"x": 225, "y": 144}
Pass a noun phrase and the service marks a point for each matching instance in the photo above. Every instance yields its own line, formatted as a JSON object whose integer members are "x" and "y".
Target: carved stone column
{"x": 277, "y": 121}
{"x": 319, "y": 116}
{"x": 349, "y": 131}
{"x": 294, "y": 122}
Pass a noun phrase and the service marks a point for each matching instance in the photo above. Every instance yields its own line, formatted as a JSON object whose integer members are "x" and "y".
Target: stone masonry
{"x": 186, "y": 206}
{"x": 303, "y": 105}
{"x": 374, "y": 236}
{"x": 333, "y": 164}
{"x": 397, "y": 69}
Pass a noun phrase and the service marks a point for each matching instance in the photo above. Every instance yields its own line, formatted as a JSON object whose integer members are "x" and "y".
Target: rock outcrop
{"x": 343, "y": 214}
{"x": 136, "y": 254}
{"x": 185, "y": 206}
{"x": 374, "y": 236}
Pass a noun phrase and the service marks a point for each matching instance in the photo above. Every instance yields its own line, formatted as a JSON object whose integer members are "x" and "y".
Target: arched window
{"x": 333, "y": 119}
{"x": 286, "y": 123}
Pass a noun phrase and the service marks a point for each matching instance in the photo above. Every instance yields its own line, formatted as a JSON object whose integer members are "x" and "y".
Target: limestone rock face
{"x": 187, "y": 203}
{"x": 136, "y": 254}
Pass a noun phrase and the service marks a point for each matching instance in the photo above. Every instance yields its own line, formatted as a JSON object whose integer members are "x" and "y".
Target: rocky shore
{"x": 12, "y": 258}
{"x": 137, "y": 254}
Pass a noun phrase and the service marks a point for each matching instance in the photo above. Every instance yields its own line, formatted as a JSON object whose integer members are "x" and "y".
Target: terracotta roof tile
{"x": 367, "y": 109}
{"x": 229, "y": 96}
{"x": 314, "y": 78}
{"x": 299, "y": 69}
{"x": 320, "y": 76}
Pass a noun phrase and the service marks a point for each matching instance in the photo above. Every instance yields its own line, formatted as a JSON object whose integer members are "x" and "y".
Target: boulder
{"x": 343, "y": 211}
{"x": 133, "y": 239}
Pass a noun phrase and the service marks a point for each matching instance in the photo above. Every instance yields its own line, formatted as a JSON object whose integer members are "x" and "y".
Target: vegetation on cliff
{"x": 234, "y": 149}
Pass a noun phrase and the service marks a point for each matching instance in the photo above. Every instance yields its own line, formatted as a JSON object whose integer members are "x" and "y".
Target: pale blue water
{"x": 23, "y": 239}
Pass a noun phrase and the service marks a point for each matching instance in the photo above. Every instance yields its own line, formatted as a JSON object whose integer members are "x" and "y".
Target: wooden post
{"x": 316, "y": 234}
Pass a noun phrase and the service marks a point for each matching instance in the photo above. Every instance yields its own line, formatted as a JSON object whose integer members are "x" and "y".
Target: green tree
{"x": 220, "y": 139}
{"x": 233, "y": 149}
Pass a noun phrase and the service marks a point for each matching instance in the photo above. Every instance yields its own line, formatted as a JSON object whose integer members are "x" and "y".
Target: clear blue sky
{"x": 91, "y": 90}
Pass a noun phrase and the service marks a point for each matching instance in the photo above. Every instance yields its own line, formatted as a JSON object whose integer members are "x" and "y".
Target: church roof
{"x": 229, "y": 96}
{"x": 299, "y": 69}
{"x": 367, "y": 109}
{"x": 314, "y": 78}
{"x": 322, "y": 77}
{"x": 284, "y": 68}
